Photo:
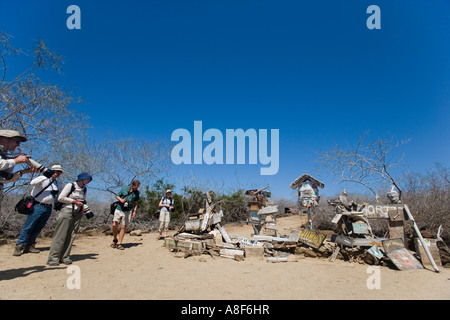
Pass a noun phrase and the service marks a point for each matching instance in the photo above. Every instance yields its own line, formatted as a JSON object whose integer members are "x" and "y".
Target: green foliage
{"x": 191, "y": 199}
{"x": 233, "y": 206}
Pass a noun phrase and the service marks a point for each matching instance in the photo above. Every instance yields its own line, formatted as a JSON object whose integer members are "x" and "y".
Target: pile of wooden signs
{"x": 355, "y": 239}
{"x": 202, "y": 233}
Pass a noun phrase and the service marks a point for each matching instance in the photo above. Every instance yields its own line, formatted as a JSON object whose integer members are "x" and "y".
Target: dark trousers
{"x": 34, "y": 224}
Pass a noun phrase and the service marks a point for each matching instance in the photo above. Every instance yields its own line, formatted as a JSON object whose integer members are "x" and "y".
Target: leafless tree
{"x": 428, "y": 196}
{"x": 121, "y": 160}
{"x": 38, "y": 110}
{"x": 366, "y": 164}
{"x": 57, "y": 133}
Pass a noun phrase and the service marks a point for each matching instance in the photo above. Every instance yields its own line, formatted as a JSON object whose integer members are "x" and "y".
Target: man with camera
{"x": 9, "y": 141}
{"x": 44, "y": 192}
{"x": 128, "y": 198}
{"x": 73, "y": 200}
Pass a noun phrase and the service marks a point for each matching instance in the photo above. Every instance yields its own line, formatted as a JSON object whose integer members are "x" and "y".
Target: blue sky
{"x": 311, "y": 69}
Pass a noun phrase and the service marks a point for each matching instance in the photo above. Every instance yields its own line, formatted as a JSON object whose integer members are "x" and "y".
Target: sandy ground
{"x": 147, "y": 270}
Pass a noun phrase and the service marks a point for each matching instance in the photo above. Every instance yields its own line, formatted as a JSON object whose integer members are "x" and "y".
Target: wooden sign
{"x": 245, "y": 242}
{"x": 383, "y": 211}
{"x": 311, "y": 238}
{"x": 399, "y": 255}
{"x": 375, "y": 251}
{"x": 368, "y": 242}
{"x": 336, "y": 218}
{"x": 360, "y": 227}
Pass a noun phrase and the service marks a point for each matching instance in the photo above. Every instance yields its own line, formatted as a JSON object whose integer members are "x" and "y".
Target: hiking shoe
{"x": 52, "y": 263}
{"x": 67, "y": 261}
{"x": 18, "y": 250}
{"x": 31, "y": 249}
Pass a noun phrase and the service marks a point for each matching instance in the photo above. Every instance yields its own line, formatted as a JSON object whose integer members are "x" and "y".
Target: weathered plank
{"x": 432, "y": 247}
{"x": 399, "y": 255}
{"x": 268, "y": 210}
{"x": 224, "y": 233}
{"x": 269, "y": 238}
{"x": 254, "y": 252}
{"x": 419, "y": 235}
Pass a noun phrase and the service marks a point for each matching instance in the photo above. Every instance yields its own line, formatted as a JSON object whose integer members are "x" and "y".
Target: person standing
{"x": 44, "y": 192}
{"x": 166, "y": 205}
{"x": 73, "y": 196}
{"x": 128, "y": 200}
{"x": 9, "y": 141}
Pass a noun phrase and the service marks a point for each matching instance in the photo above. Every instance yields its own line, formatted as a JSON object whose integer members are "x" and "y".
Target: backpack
{"x": 58, "y": 205}
{"x": 114, "y": 205}
{"x": 171, "y": 200}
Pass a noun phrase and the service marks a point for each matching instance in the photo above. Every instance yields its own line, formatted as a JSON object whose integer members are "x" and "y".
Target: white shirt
{"x": 46, "y": 196}
{"x": 166, "y": 201}
{"x": 7, "y": 165}
{"x": 77, "y": 194}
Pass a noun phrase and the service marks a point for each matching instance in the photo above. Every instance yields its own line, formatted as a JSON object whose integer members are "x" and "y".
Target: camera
{"x": 8, "y": 176}
{"x": 48, "y": 173}
{"x": 88, "y": 211}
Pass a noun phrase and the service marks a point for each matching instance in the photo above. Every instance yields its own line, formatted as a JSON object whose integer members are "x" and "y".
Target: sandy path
{"x": 147, "y": 270}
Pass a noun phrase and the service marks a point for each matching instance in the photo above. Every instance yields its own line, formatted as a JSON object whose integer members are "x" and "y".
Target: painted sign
{"x": 311, "y": 238}
{"x": 360, "y": 228}
{"x": 400, "y": 256}
{"x": 375, "y": 251}
{"x": 381, "y": 211}
{"x": 245, "y": 242}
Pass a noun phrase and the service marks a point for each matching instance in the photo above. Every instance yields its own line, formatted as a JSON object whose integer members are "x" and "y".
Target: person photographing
{"x": 73, "y": 198}
{"x": 128, "y": 198}
{"x": 44, "y": 193}
{"x": 10, "y": 140}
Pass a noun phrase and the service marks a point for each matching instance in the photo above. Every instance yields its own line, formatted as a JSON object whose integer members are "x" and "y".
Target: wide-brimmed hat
{"x": 83, "y": 176}
{"x": 57, "y": 167}
{"x": 12, "y": 134}
{"x": 168, "y": 190}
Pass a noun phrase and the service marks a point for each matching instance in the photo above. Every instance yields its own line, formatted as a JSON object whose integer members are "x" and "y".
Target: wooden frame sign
{"x": 311, "y": 238}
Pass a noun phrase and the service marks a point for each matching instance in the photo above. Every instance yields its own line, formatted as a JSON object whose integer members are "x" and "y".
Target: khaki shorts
{"x": 122, "y": 217}
{"x": 164, "y": 219}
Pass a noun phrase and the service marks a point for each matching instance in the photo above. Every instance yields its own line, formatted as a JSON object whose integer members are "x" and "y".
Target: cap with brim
{"x": 169, "y": 191}
{"x": 12, "y": 134}
{"x": 57, "y": 167}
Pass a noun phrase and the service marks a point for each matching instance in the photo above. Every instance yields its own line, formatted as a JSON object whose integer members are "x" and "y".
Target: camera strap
{"x": 72, "y": 189}
{"x": 170, "y": 200}
{"x": 39, "y": 193}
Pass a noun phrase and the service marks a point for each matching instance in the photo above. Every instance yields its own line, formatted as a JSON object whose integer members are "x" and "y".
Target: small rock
{"x": 136, "y": 233}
